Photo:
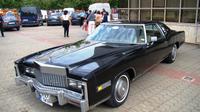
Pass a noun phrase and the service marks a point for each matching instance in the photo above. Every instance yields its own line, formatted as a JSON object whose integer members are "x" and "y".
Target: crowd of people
{"x": 94, "y": 19}
{"x": 88, "y": 20}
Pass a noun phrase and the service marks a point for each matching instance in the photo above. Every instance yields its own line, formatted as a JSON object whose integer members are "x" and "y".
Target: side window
{"x": 153, "y": 30}
{"x": 164, "y": 28}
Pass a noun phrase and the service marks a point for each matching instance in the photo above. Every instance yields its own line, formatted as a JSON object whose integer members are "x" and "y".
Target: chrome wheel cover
{"x": 174, "y": 52}
{"x": 121, "y": 88}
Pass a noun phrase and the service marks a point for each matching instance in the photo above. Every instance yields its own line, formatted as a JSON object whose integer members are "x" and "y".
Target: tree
{"x": 53, "y": 4}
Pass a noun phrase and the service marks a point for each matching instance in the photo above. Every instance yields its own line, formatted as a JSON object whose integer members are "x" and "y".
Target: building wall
{"x": 178, "y": 14}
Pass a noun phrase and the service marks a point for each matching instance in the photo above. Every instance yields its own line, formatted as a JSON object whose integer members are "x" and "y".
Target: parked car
{"x": 54, "y": 19}
{"x": 31, "y": 16}
{"x": 75, "y": 18}
{"x": 101, "y": 67}
{"x": 11, "y": 19}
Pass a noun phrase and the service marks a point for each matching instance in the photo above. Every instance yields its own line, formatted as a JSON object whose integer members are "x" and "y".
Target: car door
{"x": 155, "y": 51}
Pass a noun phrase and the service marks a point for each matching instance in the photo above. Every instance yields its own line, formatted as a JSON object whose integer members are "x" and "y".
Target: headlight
{"x": 29, "y": 70}
{"x": 74, "y": 84}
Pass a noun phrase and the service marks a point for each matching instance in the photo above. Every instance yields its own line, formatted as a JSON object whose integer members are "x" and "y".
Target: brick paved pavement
{"x": 160, "y": 90}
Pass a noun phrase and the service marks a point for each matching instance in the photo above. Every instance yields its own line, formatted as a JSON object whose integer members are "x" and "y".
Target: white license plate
{"x": 53, "y": 20}
{"x": 25, "y": 20}
{"x": 11, "y": 23}
{"x": 44, "y": 98}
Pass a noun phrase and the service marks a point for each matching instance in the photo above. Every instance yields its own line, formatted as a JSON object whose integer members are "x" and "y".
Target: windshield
{"x": 125, "y": 34}
{"x": 28, "y": 11}
{"x": 56, "y": 14}
{"x": 9, "y": 17}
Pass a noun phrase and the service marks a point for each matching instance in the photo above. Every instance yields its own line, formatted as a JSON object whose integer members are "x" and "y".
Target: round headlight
{"x": 74, "y": 84}
{"x": 79, "y": 85}
{"x": 29, "y": 70}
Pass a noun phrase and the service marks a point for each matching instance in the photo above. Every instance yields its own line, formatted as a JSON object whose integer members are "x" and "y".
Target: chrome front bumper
{"x": 62, "y": 95}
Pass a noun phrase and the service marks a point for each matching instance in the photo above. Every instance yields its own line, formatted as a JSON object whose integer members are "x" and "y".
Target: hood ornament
{"x": 50, "y": 59}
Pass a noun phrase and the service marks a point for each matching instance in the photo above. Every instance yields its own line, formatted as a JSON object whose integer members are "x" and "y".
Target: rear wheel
{"x": 120, "y": 90}
{"x": 172, "y": 56}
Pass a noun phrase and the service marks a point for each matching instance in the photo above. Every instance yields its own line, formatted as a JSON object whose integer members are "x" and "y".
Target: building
{"x": 177, "y": 14}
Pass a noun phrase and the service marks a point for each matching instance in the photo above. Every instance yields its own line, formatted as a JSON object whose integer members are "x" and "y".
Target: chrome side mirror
{"x": 154, "y": 38}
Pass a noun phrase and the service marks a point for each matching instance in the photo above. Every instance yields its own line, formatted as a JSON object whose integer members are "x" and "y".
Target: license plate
{"x": 53, "y": 20}
{"x": 11, "y": 23}
{"x": 25, "y": 20}
{"x": 44, "y": 98}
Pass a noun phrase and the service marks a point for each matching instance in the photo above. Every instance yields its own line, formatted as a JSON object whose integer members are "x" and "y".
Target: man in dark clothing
{"x": 82, "y": 15}
{"x": 1, "y": 26}
{"x": 105, "y": 17}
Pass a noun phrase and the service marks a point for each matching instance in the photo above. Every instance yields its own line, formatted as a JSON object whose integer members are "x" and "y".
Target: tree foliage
{"x": 53, "y": 4}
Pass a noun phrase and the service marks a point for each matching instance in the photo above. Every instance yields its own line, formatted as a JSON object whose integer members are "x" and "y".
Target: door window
{"x": 164, "y": 28}
{"x": 153, "y": 30}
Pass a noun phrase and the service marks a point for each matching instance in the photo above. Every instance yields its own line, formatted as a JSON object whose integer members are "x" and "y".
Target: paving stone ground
{"x": 162, "y": 89}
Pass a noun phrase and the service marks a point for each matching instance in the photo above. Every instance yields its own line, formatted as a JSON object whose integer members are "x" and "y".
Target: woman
{"x": 91, "y": 22}
{"x": 66, "y": 20}
{"x": 98, "y": 19}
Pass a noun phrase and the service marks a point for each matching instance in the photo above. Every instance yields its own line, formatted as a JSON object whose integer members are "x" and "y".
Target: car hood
{"x": 83, "y": 57}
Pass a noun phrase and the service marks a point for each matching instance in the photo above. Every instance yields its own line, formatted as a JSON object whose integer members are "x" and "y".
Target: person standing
{"x": 1, "y": 26}
{"x": 98, "y": 19}
{"x": 91, "y": 22}
{"x": 66, "y": 21}
{"x": 105, "y": 17}
{"x": 82, "y": 17}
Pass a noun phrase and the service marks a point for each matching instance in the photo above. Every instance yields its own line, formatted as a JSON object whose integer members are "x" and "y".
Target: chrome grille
{"x": 51, "y": 79}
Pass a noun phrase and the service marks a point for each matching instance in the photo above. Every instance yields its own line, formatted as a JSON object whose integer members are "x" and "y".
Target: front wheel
{"x": 120, "y": 90}
{"x": 172, "y": 56}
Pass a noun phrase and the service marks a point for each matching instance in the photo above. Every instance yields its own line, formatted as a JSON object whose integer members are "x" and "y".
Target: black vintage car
{"x": 98, "y": 69}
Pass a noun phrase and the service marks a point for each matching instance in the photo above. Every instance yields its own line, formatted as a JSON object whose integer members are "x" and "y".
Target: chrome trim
{"x": 18, "y": 83}
{"x": 63, "y": 95}
{"x": 104, "y": 85}
{"x": 145, "y": 34}
{"x": 100, "y": 102}
{"x": 85, "y": 104}
{"x": 52, "y": 69}
{"x": 135, "y": 73}
{"x": 123, "y": 24}
{"x": 17, "y": 69}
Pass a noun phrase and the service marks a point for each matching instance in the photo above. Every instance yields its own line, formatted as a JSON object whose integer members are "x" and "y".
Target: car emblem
{"x": 50, "y": 59}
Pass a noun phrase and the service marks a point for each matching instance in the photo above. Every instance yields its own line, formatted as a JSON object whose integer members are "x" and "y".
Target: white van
{"x": 70, "y": 10}
{"x": 100, "y": 7}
